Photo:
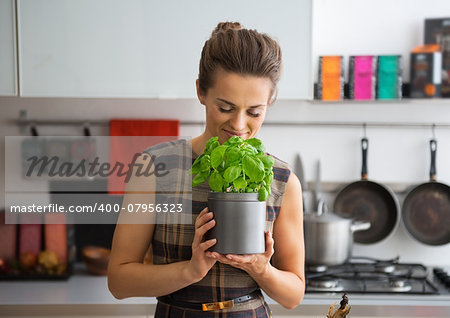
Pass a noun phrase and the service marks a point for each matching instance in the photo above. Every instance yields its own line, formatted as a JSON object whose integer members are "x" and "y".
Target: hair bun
{"x": 223, "y": 26}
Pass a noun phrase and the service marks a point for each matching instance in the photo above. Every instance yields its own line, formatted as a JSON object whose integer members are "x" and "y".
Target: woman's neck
{"x": 198, "y": 144}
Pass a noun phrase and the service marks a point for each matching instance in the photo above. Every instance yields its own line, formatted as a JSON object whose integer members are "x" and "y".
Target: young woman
{"x": 239, "y": 72}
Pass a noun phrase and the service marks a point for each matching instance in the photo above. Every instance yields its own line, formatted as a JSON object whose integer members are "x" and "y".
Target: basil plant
{"x": 237, "y": 165}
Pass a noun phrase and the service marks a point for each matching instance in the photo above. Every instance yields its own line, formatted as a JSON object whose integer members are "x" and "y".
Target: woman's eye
{"x": 254, "y": 114}
{"x": 225, "y": 110}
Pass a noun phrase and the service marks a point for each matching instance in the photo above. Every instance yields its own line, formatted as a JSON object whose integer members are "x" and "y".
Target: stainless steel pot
{"x": 329, "y": 237}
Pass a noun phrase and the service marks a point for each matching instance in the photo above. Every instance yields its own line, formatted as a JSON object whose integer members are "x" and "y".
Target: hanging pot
{"x": 426, "y": 208}
{"x": 368, "y": 201}
{"x": 329, "y": 237}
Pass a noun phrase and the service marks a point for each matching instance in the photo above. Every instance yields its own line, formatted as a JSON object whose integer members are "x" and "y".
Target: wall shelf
{"x": 419, "y": 101}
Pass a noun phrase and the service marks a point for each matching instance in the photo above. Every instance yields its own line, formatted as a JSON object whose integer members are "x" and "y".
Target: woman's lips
{"x": 231, "y": 134}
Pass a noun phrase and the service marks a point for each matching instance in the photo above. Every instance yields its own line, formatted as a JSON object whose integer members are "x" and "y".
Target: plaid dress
{"x": 172, "y": 243}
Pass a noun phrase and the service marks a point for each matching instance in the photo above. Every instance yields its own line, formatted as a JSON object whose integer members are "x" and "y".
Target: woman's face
{"x": 235, "y": 105}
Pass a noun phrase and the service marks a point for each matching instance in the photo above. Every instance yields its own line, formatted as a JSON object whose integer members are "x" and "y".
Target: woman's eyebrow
{"x": 231, "y": 104}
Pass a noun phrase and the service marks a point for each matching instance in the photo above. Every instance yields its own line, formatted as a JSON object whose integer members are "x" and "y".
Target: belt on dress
{"x": 209, "y": 306}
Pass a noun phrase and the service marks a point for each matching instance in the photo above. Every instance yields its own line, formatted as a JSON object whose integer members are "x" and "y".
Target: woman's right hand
{"x": 202, "y": 260}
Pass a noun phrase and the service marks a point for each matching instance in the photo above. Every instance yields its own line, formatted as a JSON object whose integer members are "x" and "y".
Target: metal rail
{"x": 41, "y": 122}
{"x": 24, "y": 121}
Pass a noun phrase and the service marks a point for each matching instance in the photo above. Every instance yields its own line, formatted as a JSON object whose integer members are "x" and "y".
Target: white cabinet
{"x": 7, "y": 49}
{"x": 142, "y": 48}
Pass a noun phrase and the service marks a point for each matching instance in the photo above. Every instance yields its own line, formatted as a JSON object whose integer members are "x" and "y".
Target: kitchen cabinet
{"x": 8, "y": 77}
{"x": 149, "y": 49}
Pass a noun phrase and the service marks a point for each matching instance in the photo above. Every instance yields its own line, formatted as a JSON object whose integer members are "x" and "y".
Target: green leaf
{"x": 233, "y": 156}
{"x": 255, "y": 142}
{"x": 217, "y": 156}
{"x": 267, "y": 161}
{"x": 254, "y": 185}
{"x": 263, "y": 194}
{"x": 234, "y": 140}
{"x": 269, "y": 190}
{"x": 268, "y": 179}
{"x": 200, "y": 178}
{"x": 196, "y": 165}
{"x": 240, "y": 183}
{"x": 253, "y": 167}
{"x": 205, "y": 163}
{"x": 232, "y": 173}
{"x": 216, "y": 182}
{"x": 249, "y": 149}
{"x": 212, "y": 143}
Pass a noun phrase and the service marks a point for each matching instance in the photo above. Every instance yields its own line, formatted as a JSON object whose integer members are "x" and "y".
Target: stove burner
{"x": 374, "y": 276}
{"x": 317, "y": 268}
{"x": 384, "y": 268}
{"x": 326, "y": 285}
{"x": 399, "y": 285}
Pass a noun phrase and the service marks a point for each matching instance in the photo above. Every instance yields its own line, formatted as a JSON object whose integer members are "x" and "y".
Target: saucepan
{"x": 328, "y": 237}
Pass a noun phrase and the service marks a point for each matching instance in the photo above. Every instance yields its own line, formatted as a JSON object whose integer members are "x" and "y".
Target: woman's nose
{"x": 238, "y": 122}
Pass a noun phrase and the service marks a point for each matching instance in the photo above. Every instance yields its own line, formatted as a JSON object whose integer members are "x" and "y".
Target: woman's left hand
{"x": 254, "y": 264}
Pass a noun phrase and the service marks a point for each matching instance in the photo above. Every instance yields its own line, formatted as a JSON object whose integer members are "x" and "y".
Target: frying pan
{"x": 368, "y": 201}
{"x": 426, "y": 209}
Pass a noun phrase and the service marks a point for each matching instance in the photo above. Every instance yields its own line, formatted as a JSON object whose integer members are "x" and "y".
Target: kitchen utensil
{"x": 299, "y": 171}
{"x": 329, "y": 237}
{"x": 368, "y": 201}
{"x": 426, "y": 208}
{"x": 83, "y": 148}
{"x": 318, "y": 186}
{"x": 31, "y": 147}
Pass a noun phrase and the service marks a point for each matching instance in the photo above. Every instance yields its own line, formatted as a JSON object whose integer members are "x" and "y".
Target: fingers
{"x": 202, "y": 212}
{"x": 207, "y": 244}
{"x": 199, "y": 232}
{"x": 203, "y": 223}
{"x": 245, "y": 258}
{"x": 269, "y": 244}
{"x": 203, "y": 217}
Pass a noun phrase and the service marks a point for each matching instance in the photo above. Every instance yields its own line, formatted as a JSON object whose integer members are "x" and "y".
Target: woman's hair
{"x": 241, "y": 51}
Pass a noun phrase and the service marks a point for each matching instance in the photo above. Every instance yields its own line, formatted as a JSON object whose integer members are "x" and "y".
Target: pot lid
{"x": 327, "y": 217}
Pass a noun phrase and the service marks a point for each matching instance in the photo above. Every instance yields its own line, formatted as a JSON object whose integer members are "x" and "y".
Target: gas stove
{"x": 363, "y": 275}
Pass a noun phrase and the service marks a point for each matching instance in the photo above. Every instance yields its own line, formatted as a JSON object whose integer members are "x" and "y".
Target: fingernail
{"x": 230, "y": 257}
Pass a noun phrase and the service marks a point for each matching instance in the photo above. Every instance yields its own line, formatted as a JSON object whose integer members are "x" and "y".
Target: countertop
{"x": 84, "y": 294}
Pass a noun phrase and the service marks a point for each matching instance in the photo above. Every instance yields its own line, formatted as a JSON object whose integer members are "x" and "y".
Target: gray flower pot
{"x": 240, "y": 223}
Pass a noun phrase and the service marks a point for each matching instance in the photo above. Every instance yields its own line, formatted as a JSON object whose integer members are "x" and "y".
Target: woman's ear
{"x": 200, "y": 95}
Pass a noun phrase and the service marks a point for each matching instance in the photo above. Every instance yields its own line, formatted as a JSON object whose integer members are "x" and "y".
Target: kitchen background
{"x": 93, "y": 61}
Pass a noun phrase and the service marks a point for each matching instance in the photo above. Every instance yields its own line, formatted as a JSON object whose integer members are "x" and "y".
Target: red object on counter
{"x": 55, "y": 233}
{"x": 30, "y": 234}
{"x": 7, "y": 239}
{"x": 122, "y": 150}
